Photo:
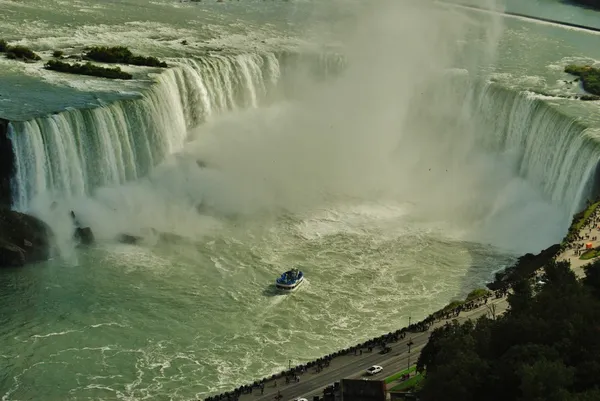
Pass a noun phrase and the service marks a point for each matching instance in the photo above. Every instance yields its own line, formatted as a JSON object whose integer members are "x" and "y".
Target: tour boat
{"x": 290, "y": 280}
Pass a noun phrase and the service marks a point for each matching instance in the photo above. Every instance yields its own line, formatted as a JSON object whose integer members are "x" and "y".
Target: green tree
{"x": 545, "y": 380}
{"x": 592, "y": 277}
{"x": 520, "y": 299}
{"x": 546, "y": 348}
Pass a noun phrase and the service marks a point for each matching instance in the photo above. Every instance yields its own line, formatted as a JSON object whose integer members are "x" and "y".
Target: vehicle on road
{"x": 300, "y": 399}
{"x": 373, "y": 370}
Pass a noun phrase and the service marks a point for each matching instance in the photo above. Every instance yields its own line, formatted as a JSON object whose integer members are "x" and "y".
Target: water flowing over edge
{"x": 555, "y": 152}
{"x": 76, "y": 151}
{"x": 72, "y": 153}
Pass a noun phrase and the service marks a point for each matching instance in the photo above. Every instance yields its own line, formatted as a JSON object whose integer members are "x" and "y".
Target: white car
{"x": 300, "y": 399}
{"x": 373, "y": 370}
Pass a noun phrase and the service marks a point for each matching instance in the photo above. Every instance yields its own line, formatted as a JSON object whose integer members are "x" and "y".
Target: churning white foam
{"x": 387, "y": 128}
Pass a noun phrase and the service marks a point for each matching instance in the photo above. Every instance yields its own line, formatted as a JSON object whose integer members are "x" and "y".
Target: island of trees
{"x": 87, "y": 69}
{"x": 18, "y": 52}
{"x": 101, "y": 54}
{"x": 104, "y": 54}
{"x": 121, "y": 55}
{"x": 590, "y": 77}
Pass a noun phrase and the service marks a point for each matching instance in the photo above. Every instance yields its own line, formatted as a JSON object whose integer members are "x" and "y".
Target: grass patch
{"x": 476, "y": 294}
{"x": 473, "y": 295}
{"x": 398, "y": 375}
{"x": 591, "y": 254}
{"x": 452, "y": 305}
{"x": 87, "y": 69}
{"x": 410, "y": 383}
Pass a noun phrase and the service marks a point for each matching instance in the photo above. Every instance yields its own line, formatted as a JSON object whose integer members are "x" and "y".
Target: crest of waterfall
{"x": 73, "y": 152}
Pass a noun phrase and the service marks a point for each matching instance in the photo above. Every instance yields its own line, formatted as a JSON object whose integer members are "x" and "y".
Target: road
{"x": 353, "y": 366}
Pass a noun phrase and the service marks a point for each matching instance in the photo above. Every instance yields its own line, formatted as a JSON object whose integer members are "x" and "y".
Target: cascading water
{"x": 76, "y": 151}
{"x": 524, "y": 133}
{"x": 553, "y": 151}
{"x": 388, "y": 201}
{"x": 73, "y": 152}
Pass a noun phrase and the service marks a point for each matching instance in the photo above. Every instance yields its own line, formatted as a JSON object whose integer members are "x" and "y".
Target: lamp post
{"x": 409, "y": 344}
{"x": 409, "y": 317}
{"x": 290, "y": 365}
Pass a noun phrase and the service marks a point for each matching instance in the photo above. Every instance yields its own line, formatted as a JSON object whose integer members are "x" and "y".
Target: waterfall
{"x": 75, "y": 151}
{"x": 553, "y": 151}
{"x": 546, "y": 141}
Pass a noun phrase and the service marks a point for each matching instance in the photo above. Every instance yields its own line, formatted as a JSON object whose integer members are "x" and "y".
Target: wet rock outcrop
{"x": 7, "y": 163}
{"x": 129, "y": 239}
{"x": 82, "y": 235}
{"x": 23, "y": 239}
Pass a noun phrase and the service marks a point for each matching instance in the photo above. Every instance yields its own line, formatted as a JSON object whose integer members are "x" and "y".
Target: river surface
{"x": 392, "y": 195}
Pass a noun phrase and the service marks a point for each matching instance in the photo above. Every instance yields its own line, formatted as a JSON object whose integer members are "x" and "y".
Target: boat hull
{"x": 291, "y": 286}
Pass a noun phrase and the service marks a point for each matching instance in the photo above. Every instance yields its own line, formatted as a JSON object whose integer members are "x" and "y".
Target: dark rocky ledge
{"x": 23, "y": 239}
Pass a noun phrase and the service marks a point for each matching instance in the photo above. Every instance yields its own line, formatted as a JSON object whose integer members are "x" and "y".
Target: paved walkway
{"x": 590, "y": 229}
{"x": 353, "y": 366}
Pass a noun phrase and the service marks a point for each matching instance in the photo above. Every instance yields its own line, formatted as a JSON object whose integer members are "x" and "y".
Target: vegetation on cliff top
{"x": 121, "y": 55}
{"x": 587, "y": 3}
{"x": 87, "y": 69}
{"x": 579, "y": 220}
{"x": 590, "y": 77}
{"x": 18, "y": 52}
{"x": 545, "y": 347}
{"x": 524, "y": 268}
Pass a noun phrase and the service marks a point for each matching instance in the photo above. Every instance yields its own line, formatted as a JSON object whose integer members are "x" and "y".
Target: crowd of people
{"x": 576, "y": 239}
{"x": 293, "y": 375}
{"x": 577, "y": 242}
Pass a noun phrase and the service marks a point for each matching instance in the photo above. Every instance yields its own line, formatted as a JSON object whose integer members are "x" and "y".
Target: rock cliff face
{"x": 23, "y": 239}
{"x": 7, "y": 164}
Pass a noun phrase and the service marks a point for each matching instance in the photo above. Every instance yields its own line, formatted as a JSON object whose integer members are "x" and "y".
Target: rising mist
{"x": 398, "y": 125}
